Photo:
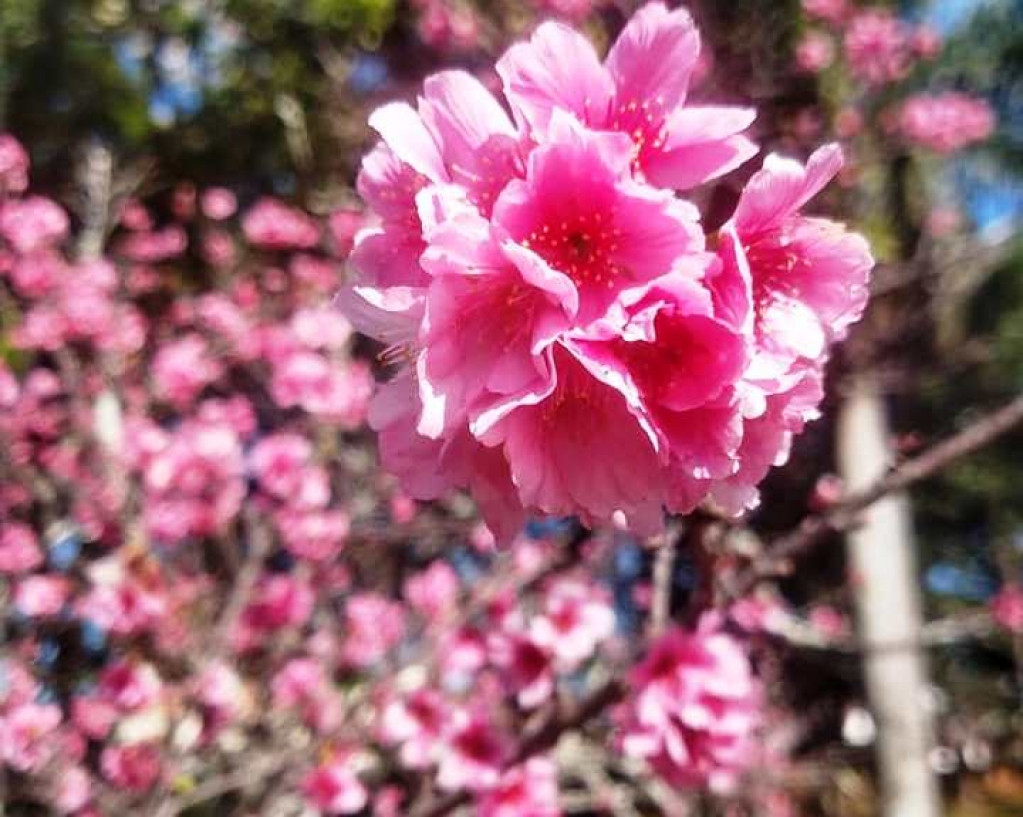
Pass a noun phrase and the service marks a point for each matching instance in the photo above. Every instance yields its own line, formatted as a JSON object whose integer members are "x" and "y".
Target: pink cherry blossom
{"x": 815, "y": 52}
{"x": 74, "y": 790}
{"x": 41, "y": 595}
{"x": 831, "y": 11}
{"x": 194, "y": 481}
{"x": 155, "y": 246}
{"x": 417, "y": 723}
{"x": 316, "y": 535}
{"x": 27, "y": 733}
{"x": 303, "y": 684}
{"x": 433, "y": 592}
{"x": 525, "y": 665}
{"x": 374, "y": 625}
{"x": 529, "y": 790}
{"x": 134, "y": 768}
{"x": 218, "y": 203}
{"x": 19, "y": 548}
{"x": 334, "y": 788}
{"x": 32, "y": 223}
{"x": 272, "y": 225}
{"x": 130, "y": 686}
{"x": 1007, "y": 608}
{"x": 474, "y": 754}
{"x": 279, "y": 601}
{"x": 579, "y": 211}
{"x": 639, "y": 90}
{"x": 540, "y": 294}
{"x": 14, "y": 165}
{"x": 183, "y": 368}
{"x": 926, "y": 42}
{"x": 576, "y": 617}
{"x": 877, "y": 46}
{"x": 278, "y": 462}
{"x": 310, "y": 381}
{"x": 222, "y": 694}
{"x": 692, "y": 709}
{"x": 946, "y": 122}
{"x": 135, "y": 216}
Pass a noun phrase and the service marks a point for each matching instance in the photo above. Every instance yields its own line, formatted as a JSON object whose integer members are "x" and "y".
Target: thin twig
{"x": 776, "y": 559}
{"x": 664, "y": 571}
{"x": 260, "y": 544}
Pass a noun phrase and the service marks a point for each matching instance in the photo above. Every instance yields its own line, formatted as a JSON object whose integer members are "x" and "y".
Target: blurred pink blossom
{"x": 272, "y": 225}
{"x": 334, "y": 788}
{"x": 692, "y": 710}
{"x": 1007, "y": 608}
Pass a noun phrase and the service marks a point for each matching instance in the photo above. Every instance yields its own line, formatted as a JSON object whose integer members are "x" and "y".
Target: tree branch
{"x": 978, "y": 434}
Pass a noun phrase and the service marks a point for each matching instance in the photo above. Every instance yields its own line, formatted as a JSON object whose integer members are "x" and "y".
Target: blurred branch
{"x": 664, "y": 570}
{"x": 95, "y": 191}
{"x": 777, "y": 558}
{"x": 260, "y": 543}
{"x": 544, "y": 737}
{"x": 938, "y": 633}
{"x": 257, "y": 771}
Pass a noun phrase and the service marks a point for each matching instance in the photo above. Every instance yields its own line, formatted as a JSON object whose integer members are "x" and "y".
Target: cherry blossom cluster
{"x": 879, "y": 47}
{"x": 694, "y": 708}
{"x": 567, "y": 338}
{"x": 459, "y": 26}
{"x": 945, "y": 123}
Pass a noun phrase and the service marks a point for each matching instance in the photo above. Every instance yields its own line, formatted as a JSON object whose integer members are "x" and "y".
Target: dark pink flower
{"x": 528, "y": 790}
{"x": 334, "y": 788}
{"x": 473, "y": 755}
{"x": 692, "y": 709}
{"x": 526, "y": 666}
{"x": 417, "y": 723}
{"x": 1007, "y": 608}
{"x": 134, "y": 768}
{"x": 576, "y": 617}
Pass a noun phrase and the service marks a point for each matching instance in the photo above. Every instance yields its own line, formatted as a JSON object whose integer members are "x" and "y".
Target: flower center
{"x": 582, "y": 247}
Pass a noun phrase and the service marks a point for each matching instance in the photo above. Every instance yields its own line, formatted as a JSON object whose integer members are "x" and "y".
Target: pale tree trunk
{"x": 885, "y": 586}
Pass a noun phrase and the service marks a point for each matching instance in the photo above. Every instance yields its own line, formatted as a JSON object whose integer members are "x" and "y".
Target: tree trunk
{"x": 888, "y": 610}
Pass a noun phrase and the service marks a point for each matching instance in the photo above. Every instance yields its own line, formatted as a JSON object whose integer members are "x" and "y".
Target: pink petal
{"x": 654, "y": 56}
{"x": 557, "y": 68}
{"x": 405, "y": 133}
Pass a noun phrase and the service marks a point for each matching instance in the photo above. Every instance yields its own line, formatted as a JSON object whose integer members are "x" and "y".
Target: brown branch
{"x": 978, "y": 434}
{"x": 664, "y": 568}
{"x": 260, "y": 544}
